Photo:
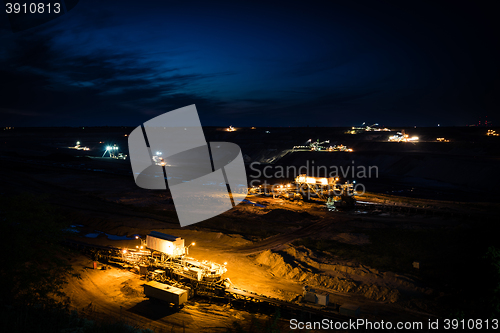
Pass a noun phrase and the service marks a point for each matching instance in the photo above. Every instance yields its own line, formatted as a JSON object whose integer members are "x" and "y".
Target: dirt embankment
{"x": 301, "y": 265}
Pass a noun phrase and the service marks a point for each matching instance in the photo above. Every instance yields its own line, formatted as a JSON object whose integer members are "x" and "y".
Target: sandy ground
{"x": 266, "y": 265}
{"x": 118, "y": 293}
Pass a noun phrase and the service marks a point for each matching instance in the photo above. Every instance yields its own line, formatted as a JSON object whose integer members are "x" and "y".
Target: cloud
{"x": 43, "y": 78}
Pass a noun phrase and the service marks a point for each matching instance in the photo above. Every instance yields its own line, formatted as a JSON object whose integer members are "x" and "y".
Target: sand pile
{"x": 294, "y": 265}
{"x": 296, "y": 271}
{"x": 247, "y": 210}
{"x": 128, "y": 290}
{"x": 361, "y": 274}
{"x": 347, "y": 270}
{"x": 207, "y": 239}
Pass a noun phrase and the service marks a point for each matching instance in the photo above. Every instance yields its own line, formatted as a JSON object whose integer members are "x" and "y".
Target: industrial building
{"x": 168, "y": 244}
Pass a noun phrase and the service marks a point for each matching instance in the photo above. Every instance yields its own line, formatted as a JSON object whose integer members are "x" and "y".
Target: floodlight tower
{"x": 111, "y": 150}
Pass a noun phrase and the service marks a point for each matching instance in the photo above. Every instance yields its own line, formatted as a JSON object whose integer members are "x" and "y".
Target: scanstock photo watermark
{"x": 274, "y": 177}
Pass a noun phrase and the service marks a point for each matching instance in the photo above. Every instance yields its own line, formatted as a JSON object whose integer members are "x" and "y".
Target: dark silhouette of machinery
{"x": 318, "y": 146}
{"x": 327, "y": 189}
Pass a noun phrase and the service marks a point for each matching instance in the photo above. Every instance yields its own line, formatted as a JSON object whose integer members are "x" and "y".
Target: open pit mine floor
{"x": 363, "y": 257}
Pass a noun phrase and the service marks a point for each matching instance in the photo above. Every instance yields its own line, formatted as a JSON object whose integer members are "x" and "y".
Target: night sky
{"x": 274, "y": 63}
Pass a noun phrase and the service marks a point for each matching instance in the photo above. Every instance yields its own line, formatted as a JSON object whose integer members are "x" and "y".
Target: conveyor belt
{"x": 323, "y": 312}
{"x": 304, "y": 308}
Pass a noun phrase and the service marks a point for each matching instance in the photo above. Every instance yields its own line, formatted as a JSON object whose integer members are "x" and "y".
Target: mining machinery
{"x": 367, "y": 128}
{"x": 78, "y": 146}
{"x": 163, "y": 258}
{"x": 312, "y": 145}
{"x": 158, "y": 159}
{"x": 112, "y": 151}
{"x": 325, "y": 189}
{"x": 492, "y": 133}
{"x": 403, "y": 137}
{"x": 172, "y": 278}
{"x": 319, "y": 146}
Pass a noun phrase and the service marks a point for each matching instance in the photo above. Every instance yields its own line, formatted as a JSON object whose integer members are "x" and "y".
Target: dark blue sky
{"x": 254, "y": 63}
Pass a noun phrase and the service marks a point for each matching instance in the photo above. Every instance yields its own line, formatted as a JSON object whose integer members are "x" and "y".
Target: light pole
{"x": 187, "y": 247}
{"x": 111, "y": 150}
{"x": 143, "y": 242}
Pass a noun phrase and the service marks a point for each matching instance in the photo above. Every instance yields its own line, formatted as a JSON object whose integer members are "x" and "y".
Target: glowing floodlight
{"x": 310, "y": 180}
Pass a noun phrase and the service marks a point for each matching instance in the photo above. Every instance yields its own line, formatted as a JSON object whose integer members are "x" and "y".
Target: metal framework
{"x": 335, "y": 195}
{"x": 318, "y": 146}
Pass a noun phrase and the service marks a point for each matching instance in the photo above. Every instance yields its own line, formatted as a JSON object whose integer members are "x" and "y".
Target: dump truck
{"x": 173, "y": 296}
